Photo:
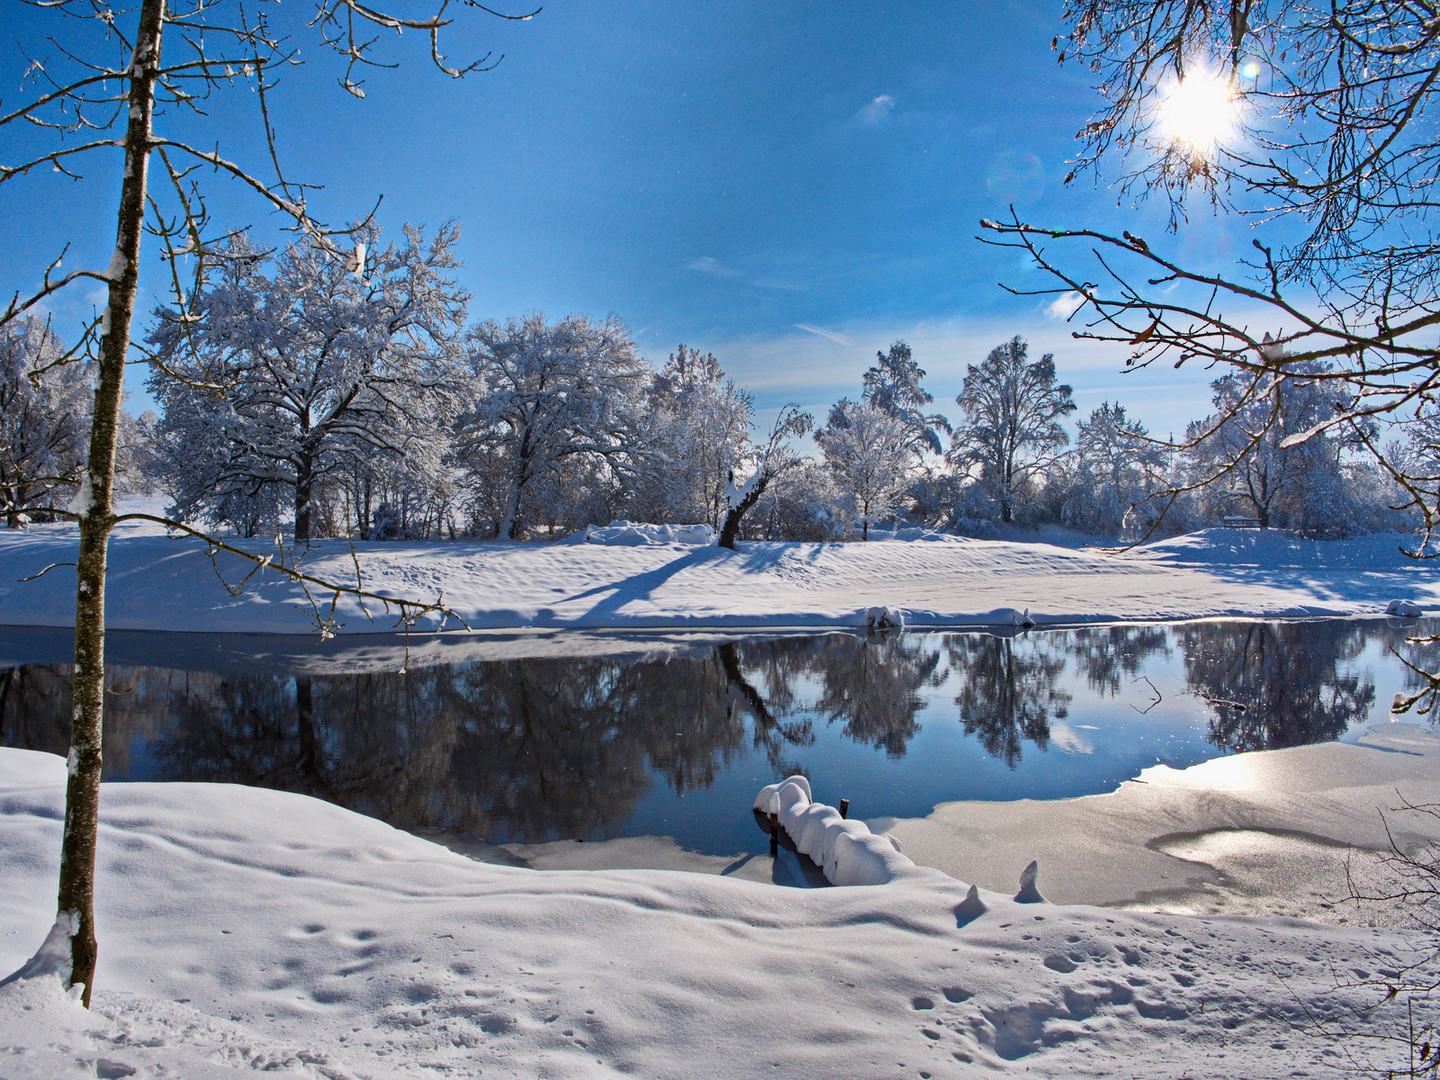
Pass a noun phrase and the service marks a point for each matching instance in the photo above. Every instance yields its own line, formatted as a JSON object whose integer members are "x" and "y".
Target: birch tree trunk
{"x": 96, "y": 507}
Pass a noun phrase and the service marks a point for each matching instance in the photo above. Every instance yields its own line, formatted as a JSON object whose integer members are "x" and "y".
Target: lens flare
{"x": 1199, "y": 112}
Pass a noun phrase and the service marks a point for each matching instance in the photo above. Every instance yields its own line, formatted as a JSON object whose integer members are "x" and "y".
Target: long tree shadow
{"x": 616, "y": 595}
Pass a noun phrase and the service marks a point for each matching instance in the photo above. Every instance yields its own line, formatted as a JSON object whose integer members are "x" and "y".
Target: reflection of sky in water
{"x": 600, "y": 747}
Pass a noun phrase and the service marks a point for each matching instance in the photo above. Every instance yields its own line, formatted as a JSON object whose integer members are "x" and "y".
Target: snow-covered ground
{"x": 245, "y": 930}
{"x": 166, "y": 583}
{"x": 248, "y": 930}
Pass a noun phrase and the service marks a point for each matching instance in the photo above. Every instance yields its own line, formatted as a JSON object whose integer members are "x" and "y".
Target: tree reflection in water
{"x": 1009, "y": 690}
{"x": 1271, "y": 685}
{"x": 875, "y": 691}
{"x": 1111, "y": 657}
{"x": 539, "y": 749}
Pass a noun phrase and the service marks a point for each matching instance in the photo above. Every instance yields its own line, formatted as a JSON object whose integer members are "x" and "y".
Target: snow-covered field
{"x": 246, "y": 930}
{"x": 167, "y": 583}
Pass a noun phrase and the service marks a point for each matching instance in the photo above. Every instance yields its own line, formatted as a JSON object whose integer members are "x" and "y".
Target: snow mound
{"x": 885, "y": 618}
{"x": 637, "y": 534}
{"x": 1008, "y": 616}
{"x": 847, "y": 851}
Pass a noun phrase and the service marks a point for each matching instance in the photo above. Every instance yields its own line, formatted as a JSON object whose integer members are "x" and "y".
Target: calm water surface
{"x": 677, "y": 744}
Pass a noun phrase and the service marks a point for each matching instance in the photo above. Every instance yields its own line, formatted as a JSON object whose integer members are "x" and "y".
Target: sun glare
{"x": 1199, "y": 112}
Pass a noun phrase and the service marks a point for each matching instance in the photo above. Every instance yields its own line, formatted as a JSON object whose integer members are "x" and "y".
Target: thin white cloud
{"x": 876, "y": 110}
{"x": 1065, "y": 305}
{"x": 707, "y": 264}
{"x": 779, "y": 283}
{"x": 828, "y": 335}
{"x": 1069, "y": 741}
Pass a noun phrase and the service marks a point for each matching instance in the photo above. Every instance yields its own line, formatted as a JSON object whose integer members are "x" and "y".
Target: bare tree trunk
{"x": 730, "y": 531}
{"x": 95, "y": 504}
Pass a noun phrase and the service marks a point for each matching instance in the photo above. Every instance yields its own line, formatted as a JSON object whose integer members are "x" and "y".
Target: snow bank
{"x": 881, "y": 617}
{"x": 636, "y": 534}
{"x": 913, "y": 533}
{"x": 642, "y": 577}
{"x": 248, "y": 932}
{"x": 847, "y": 851}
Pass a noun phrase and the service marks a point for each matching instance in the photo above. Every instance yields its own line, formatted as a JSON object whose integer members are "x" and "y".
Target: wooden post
{"x": 844, "y": 808}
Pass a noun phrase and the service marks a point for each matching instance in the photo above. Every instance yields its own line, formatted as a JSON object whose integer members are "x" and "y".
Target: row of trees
{"x": 352, "y": 399}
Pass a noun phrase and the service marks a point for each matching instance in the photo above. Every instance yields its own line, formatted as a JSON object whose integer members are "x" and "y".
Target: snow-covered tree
{"x": 803, "y": 503}
{"x": 768, "y": 463}
{"x": 550, "y": 396}
{"x": 870, "y": 451}
{"x": 1011, "y": 431}
{"x": 1302, "y": 485}
{"x": 45, "y": 403}
{"x": 282, "y": 378}
{"x": 700, "y": 428}
{"x": 1117, "y": 467}
{"x": 388, "y": 497}
{"x": 892, "y": 385}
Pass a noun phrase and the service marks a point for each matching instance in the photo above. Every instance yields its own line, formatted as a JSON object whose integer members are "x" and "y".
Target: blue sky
{"x": 789, "y": 184}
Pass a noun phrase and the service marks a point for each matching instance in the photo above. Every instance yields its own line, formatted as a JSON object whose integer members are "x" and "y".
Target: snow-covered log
{"x": 847, "y": 851}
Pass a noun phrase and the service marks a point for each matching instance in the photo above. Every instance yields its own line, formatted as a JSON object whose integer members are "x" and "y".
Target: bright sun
{"x": 1199, "y": 112}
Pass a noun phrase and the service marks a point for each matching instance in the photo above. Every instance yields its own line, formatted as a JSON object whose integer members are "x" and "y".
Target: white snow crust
{"x": 247, "y": 931}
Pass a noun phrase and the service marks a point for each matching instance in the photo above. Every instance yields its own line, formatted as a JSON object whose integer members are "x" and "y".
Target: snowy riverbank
{"x": 245, "y": 930}
{"x": 168, "y": 583}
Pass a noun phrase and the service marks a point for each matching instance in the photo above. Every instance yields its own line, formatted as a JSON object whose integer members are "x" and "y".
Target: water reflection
{"x": 590, "y": 747}
{"x": 1271, "y": 685}
{"x": 1009, "y": 690}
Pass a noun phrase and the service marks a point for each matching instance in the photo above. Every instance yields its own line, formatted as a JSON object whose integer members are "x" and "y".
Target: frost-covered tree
{"x": 45, "y": 405}
{"x": 1011, "y": 431}
{"x": 390, "y": 497}
{"x": 285, "y": 376}
{"x": 768, "y": 463}
{"x": 700, "y": 428}
{"x": 549, "y": 396}
{"x": 1246, "y": 445}
{"x": 803, "y": 503}
{"x": 869, "y": 450}
{"x": 892, "y": 384}
{"x": 1117, "y": 468}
